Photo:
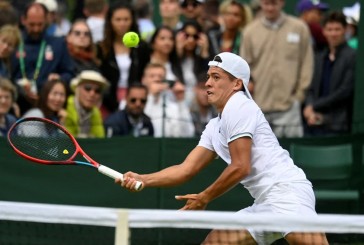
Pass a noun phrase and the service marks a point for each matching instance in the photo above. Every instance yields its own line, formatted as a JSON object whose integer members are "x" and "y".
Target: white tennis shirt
{"x": 270, "y": 163}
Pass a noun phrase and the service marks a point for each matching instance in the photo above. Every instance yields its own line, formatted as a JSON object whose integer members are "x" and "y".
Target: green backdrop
{"x": 24, "y": 181}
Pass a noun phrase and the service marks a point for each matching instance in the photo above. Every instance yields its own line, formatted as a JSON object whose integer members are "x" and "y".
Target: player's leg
{"x": 296, "y": 238}
{"x": 231, "y": 237}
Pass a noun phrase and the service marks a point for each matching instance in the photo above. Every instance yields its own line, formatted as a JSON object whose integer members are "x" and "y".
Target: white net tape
{"x": 67, "y": 214}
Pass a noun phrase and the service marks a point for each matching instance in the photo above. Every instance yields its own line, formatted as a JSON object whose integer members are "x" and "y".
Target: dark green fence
{"x": 24, "y": 181}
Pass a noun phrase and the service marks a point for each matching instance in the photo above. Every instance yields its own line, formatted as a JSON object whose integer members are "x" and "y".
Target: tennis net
{"x": 32, "y": 223}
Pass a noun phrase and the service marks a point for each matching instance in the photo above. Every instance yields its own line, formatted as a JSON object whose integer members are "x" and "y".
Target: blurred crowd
{"x": 65, "y": 61}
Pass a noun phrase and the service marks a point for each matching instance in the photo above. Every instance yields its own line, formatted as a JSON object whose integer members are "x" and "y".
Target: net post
{"x": 122, "y": 234}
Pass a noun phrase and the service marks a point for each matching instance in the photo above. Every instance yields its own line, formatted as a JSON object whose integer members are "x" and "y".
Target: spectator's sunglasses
{"x": 187, "y": 3}
{"x": 134, "y": 100}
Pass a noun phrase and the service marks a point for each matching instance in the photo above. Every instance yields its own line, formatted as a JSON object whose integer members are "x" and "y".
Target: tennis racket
{"x": 43, "y": 141}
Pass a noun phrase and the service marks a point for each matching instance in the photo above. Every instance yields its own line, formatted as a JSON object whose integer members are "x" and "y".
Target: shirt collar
{"x": 275, "y": 24}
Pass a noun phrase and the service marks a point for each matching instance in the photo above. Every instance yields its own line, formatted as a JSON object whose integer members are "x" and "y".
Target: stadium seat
{"x": 330, "y": 169}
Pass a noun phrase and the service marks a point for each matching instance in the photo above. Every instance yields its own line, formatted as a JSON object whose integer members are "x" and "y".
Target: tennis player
{"x": 242, "y": 137}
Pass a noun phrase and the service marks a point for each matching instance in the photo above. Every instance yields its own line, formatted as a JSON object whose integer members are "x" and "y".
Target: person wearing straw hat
{"x": 242, "y": 137}
{"x": 84, "y": 117}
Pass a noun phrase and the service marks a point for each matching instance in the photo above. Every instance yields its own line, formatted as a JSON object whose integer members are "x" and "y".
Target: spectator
{"x": 81, "y": 47}
{"x": 278, "y": 49}
{"x": 9, "y": 40}
{"x": 311, "y": 12}
{"x": 192, "y": 9}
{"x": 84, "y": 118}
{"x": 163, "y": 46}
{"x": 228, "y": 37}
{"x": 170, "y": 12}
{"x": 352, "y": 18}
{"x": 202, "y": 112}
{"x": 132, "y": 120}
{"x": 119, "y": 64}
{"x": 193, "y": 52}
{"x": 52, "y": 99}
{"x": 40, "y": 57}
{"x": 52, "y": 7}
{"x": 170, "y": 116}
{"x": 95, "y": 12}
{"x": 329, "y": 98}
{"x": 210, "y": 16}
{"x": 144, "y": 10}
{"x": 7, "y": 98}
{"x": 63, "y": 24}
{"x": 8, "y": 14}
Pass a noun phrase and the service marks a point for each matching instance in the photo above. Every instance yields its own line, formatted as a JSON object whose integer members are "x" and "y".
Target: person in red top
{"x": 311, "y": 12}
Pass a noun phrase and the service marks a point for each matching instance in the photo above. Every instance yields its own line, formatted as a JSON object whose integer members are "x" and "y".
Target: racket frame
{"x": 90, "y": 162}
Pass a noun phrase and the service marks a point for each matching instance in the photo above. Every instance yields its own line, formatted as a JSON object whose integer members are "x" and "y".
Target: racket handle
{"x": 116, "y": 175}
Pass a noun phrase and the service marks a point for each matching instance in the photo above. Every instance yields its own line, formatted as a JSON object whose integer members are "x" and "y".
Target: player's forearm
{"x": 229, "y": 178}
{"x": 171, "y": 176}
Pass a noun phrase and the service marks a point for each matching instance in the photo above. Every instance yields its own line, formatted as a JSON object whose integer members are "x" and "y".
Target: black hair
{"x": 137, "y": 85}
{"x": 335, "y": 16}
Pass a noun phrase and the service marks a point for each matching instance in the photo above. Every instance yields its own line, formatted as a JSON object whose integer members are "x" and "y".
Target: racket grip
{"x": 116, "y": 175}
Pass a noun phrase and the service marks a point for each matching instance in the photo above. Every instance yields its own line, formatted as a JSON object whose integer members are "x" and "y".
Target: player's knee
{"x": 233, "y": 237}
{"x": 299, "y": 238}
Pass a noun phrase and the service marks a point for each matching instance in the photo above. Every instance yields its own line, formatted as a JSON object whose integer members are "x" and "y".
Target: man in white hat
{"x": 84, "y": 118}
{"x": 242, "y": 137}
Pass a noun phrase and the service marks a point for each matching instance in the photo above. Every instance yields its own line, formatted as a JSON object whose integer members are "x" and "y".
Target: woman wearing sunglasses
{"x": 84, "y": 118}
{"x": 192, "y": 48}
{"x": 81, "y": 48}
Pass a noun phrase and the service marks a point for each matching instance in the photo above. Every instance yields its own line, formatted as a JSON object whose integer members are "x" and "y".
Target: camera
{"x": 169, "y": 82}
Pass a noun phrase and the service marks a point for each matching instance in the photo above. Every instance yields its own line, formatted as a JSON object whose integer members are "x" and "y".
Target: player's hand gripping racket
{"x": 43, "y": 141}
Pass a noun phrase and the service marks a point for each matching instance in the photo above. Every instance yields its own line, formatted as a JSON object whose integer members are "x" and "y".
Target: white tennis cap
{"x": 87, "y": 76}
{"x": 235, "y": 65}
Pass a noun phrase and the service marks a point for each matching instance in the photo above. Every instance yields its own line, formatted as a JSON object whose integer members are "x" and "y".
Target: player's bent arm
{"x": 196, "y": 160}
{"x": 240, "y": 152}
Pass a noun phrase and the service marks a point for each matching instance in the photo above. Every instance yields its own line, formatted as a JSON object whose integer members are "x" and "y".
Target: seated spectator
{"x": 9, "y": 40}
{"x": 163, "y": 46}
{"x": 170, "y": 11}
{"x": 132, "y": 120}
{"x": 81, "y": 47}
{"x": 84, "y": 118}
{"x": 119, "y": 64}
{"x": 39, "y": 58}
{"x": 202, "y": 112}
{"x": 95, "y": 12}
{"x": 52, "y": 99}
{"x": 7, "y": 98}
{"x": 8, "y": 13}
{"x": 165, "y": 106}
{"x": 192, "y": 9}
{"x": 192, "y": 48}
{"x": 144, "y": 12}
{"x": 329, "y": 102}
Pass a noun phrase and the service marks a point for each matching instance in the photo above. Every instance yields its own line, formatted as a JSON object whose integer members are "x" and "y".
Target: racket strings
{"x": 42, "y": 140}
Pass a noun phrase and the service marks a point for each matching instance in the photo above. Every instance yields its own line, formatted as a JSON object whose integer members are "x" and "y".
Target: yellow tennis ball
{"x": 131, "y": 39}
{"x": 65, "y": 152}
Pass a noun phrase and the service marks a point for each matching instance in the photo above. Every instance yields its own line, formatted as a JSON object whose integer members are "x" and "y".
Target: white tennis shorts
{"x": 283, "y": 198}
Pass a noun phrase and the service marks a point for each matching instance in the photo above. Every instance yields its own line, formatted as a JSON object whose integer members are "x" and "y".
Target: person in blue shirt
{"x": 132, "y": 120}
{"x": 39, "y": 58}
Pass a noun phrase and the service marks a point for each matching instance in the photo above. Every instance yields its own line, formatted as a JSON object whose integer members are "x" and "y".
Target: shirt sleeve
{"x": 242, "y": 123}
{"x": 206, "y": 137}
